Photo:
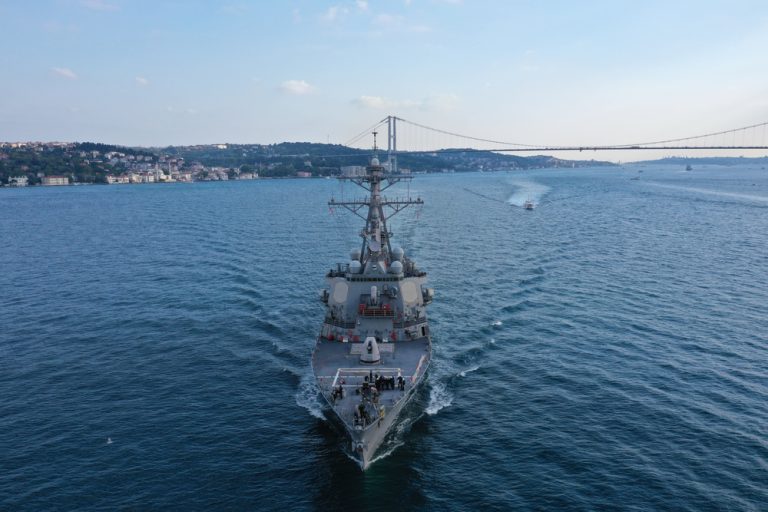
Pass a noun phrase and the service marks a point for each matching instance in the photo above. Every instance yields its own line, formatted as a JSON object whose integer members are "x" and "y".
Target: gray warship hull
{"x": 374, "y": 347}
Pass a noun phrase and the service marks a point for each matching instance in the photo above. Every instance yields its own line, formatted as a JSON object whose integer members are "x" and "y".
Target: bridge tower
{"x": 392, "y": 143}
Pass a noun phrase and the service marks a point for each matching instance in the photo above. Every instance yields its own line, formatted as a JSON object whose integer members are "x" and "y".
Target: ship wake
{"x": 439, "y": 398}
{"x": 527, "y": 190}
{"x": 308, "y": 396}
{"x": 705, "y": 191}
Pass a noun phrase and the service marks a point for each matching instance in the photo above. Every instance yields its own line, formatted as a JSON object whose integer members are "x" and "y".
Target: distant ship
{"x": 688, "y": 167}
{"x": 374, "y": 346}
{"x": 528, "y": 204}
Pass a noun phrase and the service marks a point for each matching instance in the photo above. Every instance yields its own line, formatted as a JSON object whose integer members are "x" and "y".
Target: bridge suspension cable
{"x": 477, "y": 139}
{"x": 679, "y": 143}
{"x": 366, "y": 132}
{"x": 694, "y": 137}
{"x": 419, "y": 132}
{"x": 636, "y": 145}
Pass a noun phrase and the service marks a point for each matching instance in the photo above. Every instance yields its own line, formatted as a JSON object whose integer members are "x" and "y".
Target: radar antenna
{"x": 376, "y": 247}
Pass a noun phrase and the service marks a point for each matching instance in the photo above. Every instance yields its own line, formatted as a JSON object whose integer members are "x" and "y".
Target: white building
{"x": 55, "y": 180}
{"x": 18, "y": 181}
{"x": 353, "y": 170}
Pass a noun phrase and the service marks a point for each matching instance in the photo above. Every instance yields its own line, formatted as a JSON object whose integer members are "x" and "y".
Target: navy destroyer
{"x": 374, "y": 346}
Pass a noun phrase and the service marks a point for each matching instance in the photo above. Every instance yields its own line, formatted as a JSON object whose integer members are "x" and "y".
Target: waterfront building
{"x": 352, "y": 170}
{"x": 18, "y": 181}
{"x": 55, "y": 180}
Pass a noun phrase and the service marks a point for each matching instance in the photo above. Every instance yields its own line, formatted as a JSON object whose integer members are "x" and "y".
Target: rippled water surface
{"x": 607, "y": 350}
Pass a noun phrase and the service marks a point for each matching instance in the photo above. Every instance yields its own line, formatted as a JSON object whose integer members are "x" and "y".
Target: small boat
{"x": 688, "y": 167}
{"x": 528, "y": 204}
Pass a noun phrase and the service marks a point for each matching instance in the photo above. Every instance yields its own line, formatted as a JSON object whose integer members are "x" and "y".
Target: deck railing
{"x": 375, "y": 311}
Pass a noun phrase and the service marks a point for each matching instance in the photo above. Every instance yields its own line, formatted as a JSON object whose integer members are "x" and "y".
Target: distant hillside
{"x": 83, "y": 162}
{"x": 288, "y": 158}
{"x": 489, "y": 161}
{"x": 711, "y": 160}
{"x": 89, "y": 162}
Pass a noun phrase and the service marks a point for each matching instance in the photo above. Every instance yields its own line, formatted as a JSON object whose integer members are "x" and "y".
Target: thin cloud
{"x": 440, "y": 102}
{"x": 143, "y": 82}
{"x": 64, "y": 73}
{"x": 381, "y": 103}
{"x": 334, "y": 13}
{"x": 99, "y": 5}
{"x": 392, "y": 22}
{"x": 435, "y": 103}
{"x": 387, "y": 19}
{"x": 362, "y": 4}
{"x": 235, "y": 8}
{"x": 528, "y": 62}
{"x": 296, "y": 87}
{"x": 376, "y": 102}
{"x": 418, "y": 28}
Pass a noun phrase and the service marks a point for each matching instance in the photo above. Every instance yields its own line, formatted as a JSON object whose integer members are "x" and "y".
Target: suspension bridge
{"x": 408, "y": 137}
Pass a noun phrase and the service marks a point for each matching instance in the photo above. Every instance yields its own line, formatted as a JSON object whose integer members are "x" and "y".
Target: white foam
{"x": 527, "y": 190}
{"x": 387, "y": 453}
{"x": 439, "y": 399}
{"x": 464, "y": 373}
{"x": 496, "y": 323}
{"x": 307, "y": 396}
{"x": 720, "y": 193}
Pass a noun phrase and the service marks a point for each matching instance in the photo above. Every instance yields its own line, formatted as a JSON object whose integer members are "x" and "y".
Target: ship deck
{"x": 338, "y": 364}
{"x": 329, "y": 356}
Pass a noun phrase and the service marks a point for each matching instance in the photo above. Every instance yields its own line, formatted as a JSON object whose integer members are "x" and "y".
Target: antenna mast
{"x": 376, "y": 235}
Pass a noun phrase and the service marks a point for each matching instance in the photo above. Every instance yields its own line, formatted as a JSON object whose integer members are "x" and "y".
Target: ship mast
{"x": 376, "y": 246}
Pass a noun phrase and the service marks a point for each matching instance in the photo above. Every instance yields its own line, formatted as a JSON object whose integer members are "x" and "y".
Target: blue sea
{"x": 605, "y": 351}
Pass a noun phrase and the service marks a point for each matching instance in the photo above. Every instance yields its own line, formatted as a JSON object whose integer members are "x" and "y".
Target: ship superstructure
{"x": 374, "y": 346}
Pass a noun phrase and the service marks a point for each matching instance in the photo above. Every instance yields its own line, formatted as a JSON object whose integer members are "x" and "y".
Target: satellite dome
{"x": 354, "y": 267}
{"x": 354, "y": 254}
{"x": 396, "y": 267}
{"x": 398, "y": 253}
{"x": 374, "y": 161}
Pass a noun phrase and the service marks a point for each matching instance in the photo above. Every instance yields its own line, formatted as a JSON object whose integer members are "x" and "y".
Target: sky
{"x": 156, "y": 73}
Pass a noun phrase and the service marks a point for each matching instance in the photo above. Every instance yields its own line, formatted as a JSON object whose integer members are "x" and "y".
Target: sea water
{"x": 607, "y": 350}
